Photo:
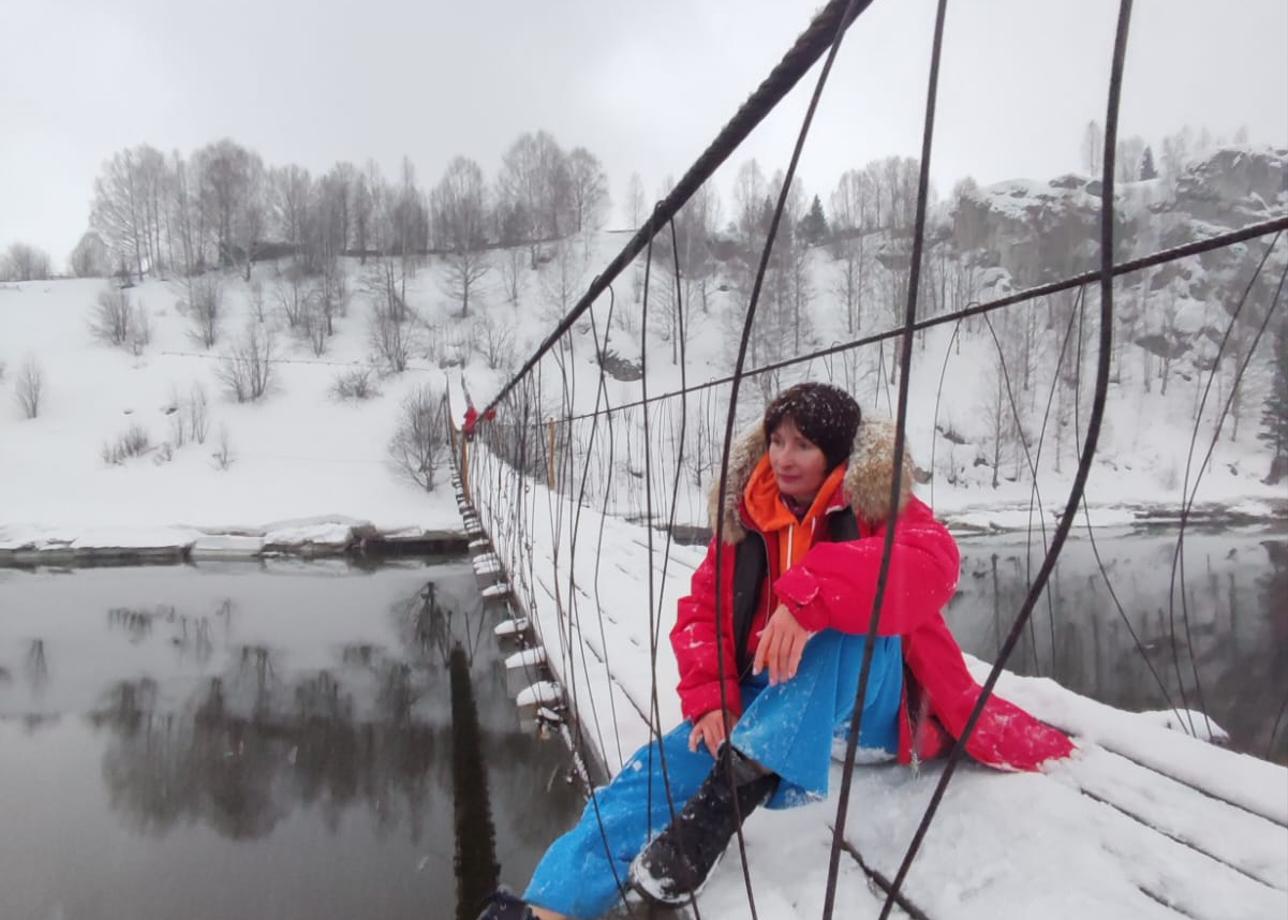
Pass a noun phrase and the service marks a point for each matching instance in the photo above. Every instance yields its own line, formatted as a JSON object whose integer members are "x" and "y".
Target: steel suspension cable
{"x": 821, "y": 36}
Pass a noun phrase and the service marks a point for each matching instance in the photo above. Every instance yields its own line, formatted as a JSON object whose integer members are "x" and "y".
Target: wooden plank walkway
{"x": 1142, "y": 822}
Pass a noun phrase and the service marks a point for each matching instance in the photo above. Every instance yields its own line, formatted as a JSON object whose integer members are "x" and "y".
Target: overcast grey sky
{"x": 643, "y": 85}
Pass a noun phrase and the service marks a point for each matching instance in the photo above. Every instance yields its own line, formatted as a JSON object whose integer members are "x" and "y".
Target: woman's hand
{"x": 710, "y": 730}
{"x": 781, "y": 645}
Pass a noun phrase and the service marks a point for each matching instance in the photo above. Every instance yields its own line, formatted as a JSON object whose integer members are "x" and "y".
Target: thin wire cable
{"x": 896, "y": 478}
{"x": 1188, "y": 496}
{"x": 1084, "y": 466}
{"x": 852, "y": 8}
{"x": 1161, "y": 257}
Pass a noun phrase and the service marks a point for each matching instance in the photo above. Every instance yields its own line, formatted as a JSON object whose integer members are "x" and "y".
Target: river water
{"x": 304, "y": 741}
{"x": 314, "y": 740}
{"x": 1231, "y": 660}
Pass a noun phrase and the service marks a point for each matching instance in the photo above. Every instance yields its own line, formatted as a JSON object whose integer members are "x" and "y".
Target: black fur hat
{"x": 825, "y": 414}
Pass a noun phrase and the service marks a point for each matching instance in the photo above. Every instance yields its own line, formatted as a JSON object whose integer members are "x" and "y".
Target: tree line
{"x": 155, "y": 214}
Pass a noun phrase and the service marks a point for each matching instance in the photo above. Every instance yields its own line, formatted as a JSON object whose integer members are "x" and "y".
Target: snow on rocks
{"x": 227, "y": 546}
{"x": 542, "y": 693}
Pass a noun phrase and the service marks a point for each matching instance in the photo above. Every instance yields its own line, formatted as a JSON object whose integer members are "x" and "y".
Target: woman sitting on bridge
{"x": 804, "y": 522}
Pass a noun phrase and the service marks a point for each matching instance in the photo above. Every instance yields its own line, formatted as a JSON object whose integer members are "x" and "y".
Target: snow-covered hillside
{"x": 300, "y": 458}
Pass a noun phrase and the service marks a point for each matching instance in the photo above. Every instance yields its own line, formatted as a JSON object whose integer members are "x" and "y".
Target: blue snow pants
{"x": 788, "y": 729}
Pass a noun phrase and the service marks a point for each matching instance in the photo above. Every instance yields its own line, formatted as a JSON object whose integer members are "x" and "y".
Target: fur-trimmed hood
{"x": 866, "y": 486}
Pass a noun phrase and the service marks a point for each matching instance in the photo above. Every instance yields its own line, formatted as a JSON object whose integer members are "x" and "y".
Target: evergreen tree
{"x": 1147, "y": 169}
{"x": 813, "y": 226}
{"x": 1274, "y": 415}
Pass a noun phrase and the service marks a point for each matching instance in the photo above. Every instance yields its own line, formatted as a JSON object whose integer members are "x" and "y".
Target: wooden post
{"x": 550, "y": 454}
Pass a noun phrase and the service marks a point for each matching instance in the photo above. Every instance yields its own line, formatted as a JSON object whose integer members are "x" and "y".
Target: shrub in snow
{"x": 390, "y": 333}
{"x": 224, "y": 456}
{"x": 112, "y": 315}
{"x": 132, "y": 443}
{"x": 205, "y": 309}
{"x": 29, "y": 388}
{"x": 247, "y": 367}
{"x": 140, "y": 331}
{"x": 117, "y": 322}
{"x": 315, "y": 326}
{"x": 291, "y": 291}
{"x": 356, "y": 384}
{"x": 2, "y": 367}
{"x": 189, "y": 416}
{"x": 421, "y": 438}
{"x": 494, "y": 342}
{"x": 257, "y": 299}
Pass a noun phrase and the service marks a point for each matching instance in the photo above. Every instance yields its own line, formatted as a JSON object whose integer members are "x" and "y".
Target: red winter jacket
{"x": 833, "y": 587}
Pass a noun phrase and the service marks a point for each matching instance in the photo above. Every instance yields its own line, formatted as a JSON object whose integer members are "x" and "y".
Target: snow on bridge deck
{"x": 1142, "y": 822}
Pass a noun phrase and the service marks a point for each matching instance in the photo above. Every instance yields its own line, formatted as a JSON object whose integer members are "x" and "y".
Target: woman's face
{"x": 799, "y": 465}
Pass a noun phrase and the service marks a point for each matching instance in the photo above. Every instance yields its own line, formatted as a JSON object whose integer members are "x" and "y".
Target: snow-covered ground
{"x": 308, "y": 468}
{"x": 1143, "y": 822}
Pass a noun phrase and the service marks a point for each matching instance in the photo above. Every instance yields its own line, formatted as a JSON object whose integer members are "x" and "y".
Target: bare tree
{"x": 561, "y": 281}
{"x": 420, "y": 440}
{"x": 390, "y": 337}
{"x": 205, "y": 309}
{"x": 534, "y": 183}
{"x": 23, "y": 262}
{"x": 188, "y": 219}
{"x": 120, "y": 211}
{"x": 495, "y": 343}
{"x": 90, "y": 257}
{"x": 386, "y": 285}
{"x": 29, "y": 388}
{"x": 408, "y": 218}
{"x": 314, "y": 325}
{"x": 247, "y": 368}
{"x": 635, "y": 200}
{"x": 292, "y": 293}
{"x": 460, "y": 221}
{"x": 112, "y": 315}
{"x": 513, "y": 263}
{"x": 231, "y": 193}
{"x": 290, "y": 195}
{"x": 588, "y": 189}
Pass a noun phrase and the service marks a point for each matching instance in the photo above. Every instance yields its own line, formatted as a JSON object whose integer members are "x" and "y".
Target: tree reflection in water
{"x": 1236, "y": 593}
{"x": 476, "y": 865}
{"x": 251, "y": 746}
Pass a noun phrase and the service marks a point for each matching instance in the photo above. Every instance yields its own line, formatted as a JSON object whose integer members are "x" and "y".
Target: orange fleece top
{"x": 767, "y": 510}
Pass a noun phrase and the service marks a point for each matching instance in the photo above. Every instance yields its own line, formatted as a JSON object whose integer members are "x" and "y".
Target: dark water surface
{"x": 304, "y": 741}
{"x": 1236, "y": 591}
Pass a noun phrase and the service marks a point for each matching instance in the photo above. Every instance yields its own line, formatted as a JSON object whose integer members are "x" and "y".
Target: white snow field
{"x": 307, "y": 469}
{"x": 1143, "y": 822}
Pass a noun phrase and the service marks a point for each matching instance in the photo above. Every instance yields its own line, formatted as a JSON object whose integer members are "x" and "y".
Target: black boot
{"x": 677, "y": 862}
{"x": 502, "y": 905}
